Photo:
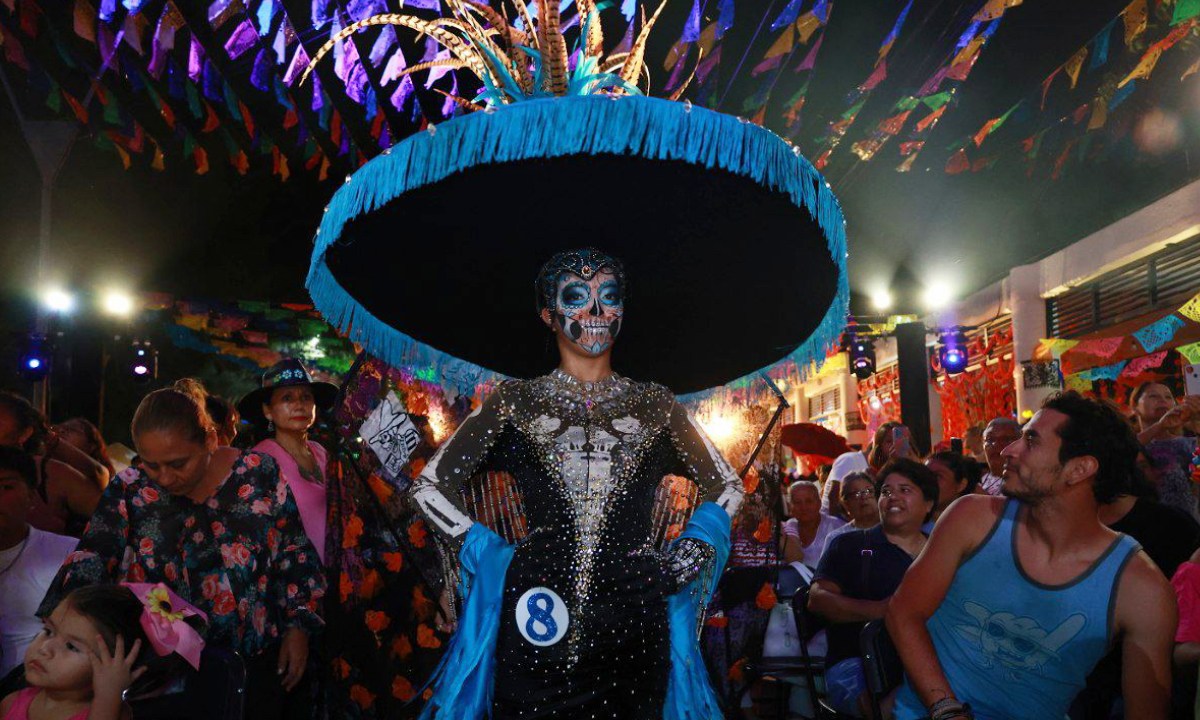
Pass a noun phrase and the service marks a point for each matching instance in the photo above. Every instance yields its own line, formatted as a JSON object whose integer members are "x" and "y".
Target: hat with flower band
{"x": 288, "y": 372}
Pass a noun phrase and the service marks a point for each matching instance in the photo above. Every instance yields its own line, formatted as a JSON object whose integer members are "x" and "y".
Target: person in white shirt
{"x": 29, "y": 558}
{"x": 999, "y": 434}
{"x": 804, "y": 534}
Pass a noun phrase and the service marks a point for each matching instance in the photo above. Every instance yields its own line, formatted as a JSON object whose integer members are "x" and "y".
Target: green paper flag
{"x": 933, "y": 102}
{"x": 1185, "y": 10}
{"x": 1191, "y": 352}
{"x": 908, "y": 103}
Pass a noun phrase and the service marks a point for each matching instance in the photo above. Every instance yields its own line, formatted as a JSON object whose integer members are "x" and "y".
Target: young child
{"x": 92, "y": 649}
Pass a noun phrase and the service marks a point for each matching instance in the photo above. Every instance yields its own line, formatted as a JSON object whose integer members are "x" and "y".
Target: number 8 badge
{"x": 542, "y": 616}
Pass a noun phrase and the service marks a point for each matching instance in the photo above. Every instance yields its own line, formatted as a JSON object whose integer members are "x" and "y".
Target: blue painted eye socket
{"x": 575, "y": 295}
{"x": 610, "y": 294}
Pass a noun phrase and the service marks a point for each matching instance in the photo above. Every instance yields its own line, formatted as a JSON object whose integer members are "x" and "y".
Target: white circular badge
{"x": 542, "y": 616}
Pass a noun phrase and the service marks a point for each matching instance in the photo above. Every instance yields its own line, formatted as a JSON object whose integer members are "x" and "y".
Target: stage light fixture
{"x": 144, "y": 365}
{"x": 59, "y": 301}
{"x": 952, "y": 353}
{"x": 862, "y": 356}
{"x": 938, "y": 295}
{"x": 118, "y": 304}
{"x": 34, "y": 365}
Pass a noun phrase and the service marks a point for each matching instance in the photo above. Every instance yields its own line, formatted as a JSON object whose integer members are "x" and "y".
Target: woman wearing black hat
{"x": 287, "y": 404}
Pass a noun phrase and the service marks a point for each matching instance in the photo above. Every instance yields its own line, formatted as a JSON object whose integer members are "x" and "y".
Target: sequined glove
{"x": 686, "y": 560}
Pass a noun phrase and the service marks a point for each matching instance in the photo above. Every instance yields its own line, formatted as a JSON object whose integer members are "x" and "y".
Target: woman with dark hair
{"x": 861, "y": 570}
{"x": 68, "y": 481}
{"x": 1160, "y": 423}
{"x": 225, "y": 418}
{"x": 587, "y": 450}
{"x": 957, "y": 475}
{"x": 81, "y": 433}
{"x": 285, "y": 407}
{"x": 220, "y": 528}
{"x": 858, "y": 498}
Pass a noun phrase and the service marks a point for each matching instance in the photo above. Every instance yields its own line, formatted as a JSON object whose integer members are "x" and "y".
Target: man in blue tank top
{"x": 1014, "y": 599}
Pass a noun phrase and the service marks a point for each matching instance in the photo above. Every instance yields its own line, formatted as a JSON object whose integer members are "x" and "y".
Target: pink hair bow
{"x": 163, "y": 621}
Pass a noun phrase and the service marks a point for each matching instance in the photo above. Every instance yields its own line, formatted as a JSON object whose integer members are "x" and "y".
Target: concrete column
{"x": 1029, "y": 327}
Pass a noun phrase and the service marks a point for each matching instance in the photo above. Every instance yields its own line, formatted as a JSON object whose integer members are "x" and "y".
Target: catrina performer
{"x": 586, "y": 600}
{"x": 585, "y": 617}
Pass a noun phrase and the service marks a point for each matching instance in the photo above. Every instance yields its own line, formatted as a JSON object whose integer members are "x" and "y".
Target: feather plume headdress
{"x": 517, "y": 64}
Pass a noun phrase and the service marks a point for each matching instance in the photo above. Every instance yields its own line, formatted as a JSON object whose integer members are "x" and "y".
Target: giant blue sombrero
{"x": 734, "y": 244}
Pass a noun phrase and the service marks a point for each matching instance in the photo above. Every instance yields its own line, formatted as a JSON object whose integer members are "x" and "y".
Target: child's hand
{"x": 113, "y": 674}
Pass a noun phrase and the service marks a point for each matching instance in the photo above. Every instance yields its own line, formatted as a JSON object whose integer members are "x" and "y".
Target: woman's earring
{"x": 270, "y": 426}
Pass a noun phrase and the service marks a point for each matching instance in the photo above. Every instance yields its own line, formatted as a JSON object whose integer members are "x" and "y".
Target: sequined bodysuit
{"x": 587, "y": 459}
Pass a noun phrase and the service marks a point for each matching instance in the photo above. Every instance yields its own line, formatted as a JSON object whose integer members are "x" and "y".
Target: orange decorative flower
{"x": 422, "y": 607}
{"x": 765, "y": 600}
{"x": 763, "y": 532}
{"x": 417, "y": 533}
{"x": 737, "y": 671}
{"x": 345, "y": 587}
{"x": 394, "y": 561}
{"x": 427, "y": 638}
{"x": 371, "y": 584}
{"x": 402, "y": 689}
{"x": 673, "y": 531}
{"x": 382, "y": 490}
{"x": 416, "y": 465}
{"x": 364, "y": 697}
{"x": 341, "y": 668}
{"x": 353, "y": 529}
{"x": 717, "y": 621}
{"x": 402, "y": 647}
{"x": 750, "y": 482}
{"x": 377, "y": 620}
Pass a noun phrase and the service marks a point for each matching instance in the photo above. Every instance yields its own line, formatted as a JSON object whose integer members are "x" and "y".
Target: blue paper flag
{"x": 691, "y": 30}
{"x": 1105, "y": 372}
{"x": 1121, "y": 95}
{"x": 789, "y": 15}
{"x": 1159, "y": 332}
{"x": 724, "y": 16}
{"x": 1100, "y": 47}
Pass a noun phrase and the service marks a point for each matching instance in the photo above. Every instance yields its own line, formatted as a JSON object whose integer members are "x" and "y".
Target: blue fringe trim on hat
{"x": 591, "y": 125}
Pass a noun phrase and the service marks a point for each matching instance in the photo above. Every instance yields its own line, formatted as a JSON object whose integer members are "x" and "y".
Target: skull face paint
{"x": 589, "y": 312}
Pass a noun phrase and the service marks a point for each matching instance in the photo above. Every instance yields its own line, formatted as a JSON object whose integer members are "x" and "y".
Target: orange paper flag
{"x": 1135, "y": 20}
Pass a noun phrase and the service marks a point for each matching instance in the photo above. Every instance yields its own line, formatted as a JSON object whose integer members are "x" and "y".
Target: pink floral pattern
{"x": 244, "y": 548}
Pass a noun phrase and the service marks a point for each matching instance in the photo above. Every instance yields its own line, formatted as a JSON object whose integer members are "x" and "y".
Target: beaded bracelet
{"x": 949, "y": 707}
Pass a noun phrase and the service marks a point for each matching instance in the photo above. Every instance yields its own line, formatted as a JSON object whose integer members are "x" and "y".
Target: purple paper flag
{"x": 811, "y": 59}
{"x": 243, "y": 38}
{"x": 296, "y": 67}
{"x": 195, "y": 59}
{"x": 403, "y": 93}
{"x": 394, "y": 65}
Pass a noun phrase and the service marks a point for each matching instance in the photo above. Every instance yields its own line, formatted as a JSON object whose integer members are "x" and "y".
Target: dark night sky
{"x": 226, "y": 236}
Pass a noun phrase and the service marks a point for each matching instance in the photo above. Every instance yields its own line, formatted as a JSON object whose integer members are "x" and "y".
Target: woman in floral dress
{"x": 219, "y": 527}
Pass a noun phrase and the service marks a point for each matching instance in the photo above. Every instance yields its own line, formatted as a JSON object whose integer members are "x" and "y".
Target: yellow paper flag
{"x": 806, "y": 26}
{"x": 1077, "y": 383}
{"x": 1075, "y": 64}
{"x": 994, "y": 9}
{"x": 1135, "y": 20}
{"x": 708, "y": 38}
{"x": 1144, "y": 67}
{"x": 782, "y": 44}
{"x": 1099, "y": 114}
{"x": 1191, "y": 309}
